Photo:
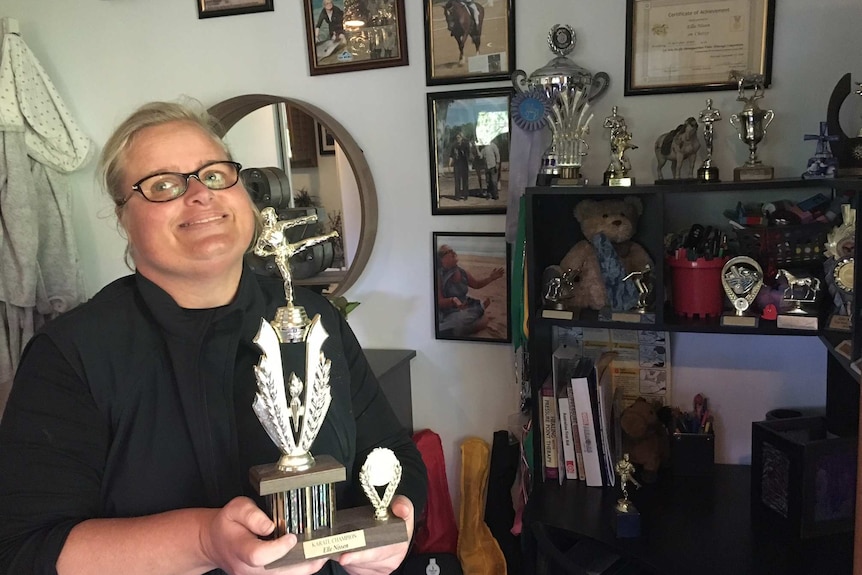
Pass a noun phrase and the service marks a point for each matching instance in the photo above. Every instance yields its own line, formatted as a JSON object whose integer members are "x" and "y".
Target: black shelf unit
{"x": 552, "y": 230}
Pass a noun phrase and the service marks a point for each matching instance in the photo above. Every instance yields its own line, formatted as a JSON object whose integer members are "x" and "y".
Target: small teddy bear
{"x": 644, "y": 437}
{"x": 606, "y": 256}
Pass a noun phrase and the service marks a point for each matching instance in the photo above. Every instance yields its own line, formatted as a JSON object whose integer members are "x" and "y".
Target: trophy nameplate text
{"x": 741, "y": 279}
{"x": 299, "y": 488}
{"x": 751, "y": 124}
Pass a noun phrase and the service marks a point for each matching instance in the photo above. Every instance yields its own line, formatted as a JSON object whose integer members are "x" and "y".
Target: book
{"x": 565, "y": 422}
{"x": 549, "y": 429}
{"x": 576, "y": 436}
{"x": 589, "y": 438}
{"x": 564, "y": 361}
{"x": 605, "y": 405}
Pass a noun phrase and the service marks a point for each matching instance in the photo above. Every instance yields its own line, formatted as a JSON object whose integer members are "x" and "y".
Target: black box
{"x": 692, "y": 454}
{"x": 803, "y": 478}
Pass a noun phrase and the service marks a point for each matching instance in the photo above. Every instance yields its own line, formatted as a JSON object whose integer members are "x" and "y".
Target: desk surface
{"x": 691, "y": 525}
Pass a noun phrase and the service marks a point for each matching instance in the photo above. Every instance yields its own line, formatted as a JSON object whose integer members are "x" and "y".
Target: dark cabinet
{"x": 551, "y": 231}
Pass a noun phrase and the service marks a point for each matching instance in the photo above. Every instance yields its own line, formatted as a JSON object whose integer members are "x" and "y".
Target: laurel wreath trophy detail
{"x": 299, "y": 487}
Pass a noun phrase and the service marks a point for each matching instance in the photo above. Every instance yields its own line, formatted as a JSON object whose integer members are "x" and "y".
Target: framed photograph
{"x": 213, "y": 8}
{"x": 325, "y": 141}
{"x": 349, "y": 35}
{"x": 693, "y": 45}
{"x": 471, "y": 286}
{"x": 469, "y": 41}
{"x": 468, "y": 140}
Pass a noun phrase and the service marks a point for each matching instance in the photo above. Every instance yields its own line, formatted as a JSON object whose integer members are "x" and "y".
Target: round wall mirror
{"x": 318, "y": 164}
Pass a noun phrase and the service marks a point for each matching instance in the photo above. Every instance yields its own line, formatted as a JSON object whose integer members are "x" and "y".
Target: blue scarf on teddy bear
{"x": 621, "y": 295}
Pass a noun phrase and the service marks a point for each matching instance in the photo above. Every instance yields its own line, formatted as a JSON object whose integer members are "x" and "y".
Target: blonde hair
{"x": 112, "y": 161}
{"x": 113, "y": 158}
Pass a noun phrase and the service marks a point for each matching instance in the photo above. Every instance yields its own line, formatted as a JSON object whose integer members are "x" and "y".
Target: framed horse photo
{"x": 471, "y": 287}
{"x": 468, "y": 136}
{"x": 469, "y": 41}
{"x": 349, "y": 35}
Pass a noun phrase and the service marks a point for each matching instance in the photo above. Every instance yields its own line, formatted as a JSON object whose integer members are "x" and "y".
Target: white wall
{"x": 108, "y": 56}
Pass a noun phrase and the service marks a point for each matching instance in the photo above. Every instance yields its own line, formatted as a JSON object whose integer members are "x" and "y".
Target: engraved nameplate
{"x": 334, "y": 544}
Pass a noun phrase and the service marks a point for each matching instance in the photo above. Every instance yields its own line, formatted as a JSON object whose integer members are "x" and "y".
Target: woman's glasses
{"x": 168, "y": 186}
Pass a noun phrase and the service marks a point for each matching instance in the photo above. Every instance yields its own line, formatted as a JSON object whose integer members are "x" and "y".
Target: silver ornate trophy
{"x": 708, "y": 116}
{"x": 618, "y": 170}
{"x": 751, "y": 124}
{"x": 741, "y": 278}
{"x": 799, "y": 292}
{"x": 568, "y": 89}
{"x": 299, "y": 487}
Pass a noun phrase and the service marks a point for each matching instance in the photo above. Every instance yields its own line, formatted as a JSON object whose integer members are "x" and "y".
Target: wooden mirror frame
{"x": 231, "y": 111}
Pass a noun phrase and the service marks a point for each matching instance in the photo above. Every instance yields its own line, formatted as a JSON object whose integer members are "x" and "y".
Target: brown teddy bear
{"x": 606, "y": 255}
{"x": 644, "y": 438}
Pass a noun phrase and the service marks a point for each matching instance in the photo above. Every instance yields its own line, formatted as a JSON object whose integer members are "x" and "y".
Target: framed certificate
{"x": 693, "y": 45}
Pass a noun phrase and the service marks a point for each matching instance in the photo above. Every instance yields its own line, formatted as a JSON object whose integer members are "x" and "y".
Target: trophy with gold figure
{"x": 299, "y": 487}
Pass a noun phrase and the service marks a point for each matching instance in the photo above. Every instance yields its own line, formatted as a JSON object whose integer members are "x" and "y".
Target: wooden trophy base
{"x": 733, "y": 320}
{"x": 353, "y": 529}
{"x": 348, "y": 529}
{"x": 633, "y": 317}
{"x": 797, "y": 321}
{"x": 753, "y": 173}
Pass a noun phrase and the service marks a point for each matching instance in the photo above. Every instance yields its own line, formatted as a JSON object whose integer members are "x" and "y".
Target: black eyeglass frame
{"x": 196, "y": 174}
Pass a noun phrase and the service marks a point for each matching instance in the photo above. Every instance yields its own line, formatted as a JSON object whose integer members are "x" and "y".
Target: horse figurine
{"x": 677, "y": 146}
{"x": 809, "y": 286}
{"x": 462, "y": 25}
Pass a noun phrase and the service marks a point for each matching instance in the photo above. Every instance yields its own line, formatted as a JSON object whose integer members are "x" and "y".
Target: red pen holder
{"x": 696, "y": 287}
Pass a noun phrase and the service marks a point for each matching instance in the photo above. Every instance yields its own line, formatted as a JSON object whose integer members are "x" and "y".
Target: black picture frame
{"x": 484, "y": 312}
{"x": 482, "y": 118}
{"x": 370, "y": 35}
{"x": 325, "y": 141}
{"x": 675, "y": 46}
{"x": 496, "y": 59}
{"x": 216, "y": 8}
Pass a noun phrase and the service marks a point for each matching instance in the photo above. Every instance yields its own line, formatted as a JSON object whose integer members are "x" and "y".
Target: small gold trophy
{"x": 741, "y": 278}
{"x": 299, "y": 487}
{"x": 751, "y": 124}
{"x": 618, "y": 172}
{"x": 627, "y": 519}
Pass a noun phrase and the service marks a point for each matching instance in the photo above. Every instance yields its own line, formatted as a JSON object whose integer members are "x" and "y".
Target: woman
{"x": 129, "y": 432}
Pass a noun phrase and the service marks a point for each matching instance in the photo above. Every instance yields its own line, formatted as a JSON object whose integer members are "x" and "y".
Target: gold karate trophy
{"x": 299, "y": 487}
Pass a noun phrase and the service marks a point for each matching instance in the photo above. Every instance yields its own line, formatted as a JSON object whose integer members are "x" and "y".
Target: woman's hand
{"x": 231, "y": 541}
{"x": 382, "y": 560}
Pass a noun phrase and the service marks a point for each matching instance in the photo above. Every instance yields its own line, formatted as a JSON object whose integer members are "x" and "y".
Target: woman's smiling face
{"x": 202, "y": 233}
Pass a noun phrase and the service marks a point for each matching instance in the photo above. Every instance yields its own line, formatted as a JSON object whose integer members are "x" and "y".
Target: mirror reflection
{"x": 295, "y": 161}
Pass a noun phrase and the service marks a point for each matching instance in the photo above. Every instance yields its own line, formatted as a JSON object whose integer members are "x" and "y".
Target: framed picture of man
{"x": 469, "y": 41}
{"x": 468, "y": 137}
{"x": 471, "y": 286}
{"x": 349, "y": 35}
